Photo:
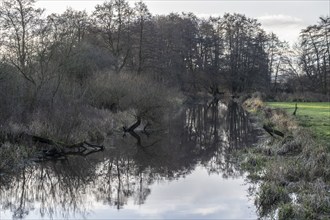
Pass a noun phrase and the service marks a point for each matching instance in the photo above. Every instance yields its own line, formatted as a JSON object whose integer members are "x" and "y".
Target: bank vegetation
{"x": 292, "y": 171}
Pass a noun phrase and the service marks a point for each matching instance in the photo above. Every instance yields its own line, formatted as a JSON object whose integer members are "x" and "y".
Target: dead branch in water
{"x": 49, "y": 149}
{"x": 132, "y": 127}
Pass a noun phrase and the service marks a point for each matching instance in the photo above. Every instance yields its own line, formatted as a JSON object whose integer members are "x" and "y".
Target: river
{"x": 187, "y": 170}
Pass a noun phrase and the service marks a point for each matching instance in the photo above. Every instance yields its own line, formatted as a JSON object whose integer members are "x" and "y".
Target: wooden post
{"x": 295, "y": 109}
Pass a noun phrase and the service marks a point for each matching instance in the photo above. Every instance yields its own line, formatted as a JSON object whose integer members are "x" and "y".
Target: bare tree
{"x": 142, "y": 15}
{"x": 19, "y": 23}
{"x": 244, "y": 53}
{"x": 315, "y": 56}
{"x": 278, "y": 59}
{"x": 112, "y": 21}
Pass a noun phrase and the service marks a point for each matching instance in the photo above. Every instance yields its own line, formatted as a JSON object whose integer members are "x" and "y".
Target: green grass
{"x": 312, "y": 115}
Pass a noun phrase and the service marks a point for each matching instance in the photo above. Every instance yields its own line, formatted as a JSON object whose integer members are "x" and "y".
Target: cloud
{"x": 280, "y": 20}
{"x": 208, "y": 210}
{"x": 286, "y": 27}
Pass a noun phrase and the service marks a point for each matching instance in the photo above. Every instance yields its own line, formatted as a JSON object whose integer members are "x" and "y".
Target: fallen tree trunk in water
{"x": 59, "y": 150}
{"x": 51, "y": 149}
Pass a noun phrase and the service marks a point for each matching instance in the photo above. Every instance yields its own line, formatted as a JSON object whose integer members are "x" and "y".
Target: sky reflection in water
{"x": 198, "y": 196}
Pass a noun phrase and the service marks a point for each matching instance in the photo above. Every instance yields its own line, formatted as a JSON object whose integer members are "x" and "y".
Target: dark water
{"x": 186, "y": 170}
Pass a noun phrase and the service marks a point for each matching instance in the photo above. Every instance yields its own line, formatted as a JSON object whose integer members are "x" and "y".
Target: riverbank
{"x": 292, "y": 171}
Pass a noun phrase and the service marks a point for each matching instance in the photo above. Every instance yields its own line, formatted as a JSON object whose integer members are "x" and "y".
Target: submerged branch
{"x": 50, "y": 149}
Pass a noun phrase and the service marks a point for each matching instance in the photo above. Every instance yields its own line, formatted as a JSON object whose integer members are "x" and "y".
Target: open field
{"x": 313, "y": 115}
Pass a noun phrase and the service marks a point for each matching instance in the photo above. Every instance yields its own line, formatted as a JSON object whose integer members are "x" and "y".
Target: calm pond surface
{"x": 184, "y": 171}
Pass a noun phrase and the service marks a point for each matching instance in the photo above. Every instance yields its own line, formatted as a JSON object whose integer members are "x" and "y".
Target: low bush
{"x": 140, "y": 95}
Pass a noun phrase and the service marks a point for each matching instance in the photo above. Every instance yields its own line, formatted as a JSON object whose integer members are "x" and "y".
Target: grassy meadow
{"x": 312, "y": 115}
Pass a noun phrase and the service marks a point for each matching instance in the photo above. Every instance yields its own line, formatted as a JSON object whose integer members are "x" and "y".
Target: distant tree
{"x": 29, "y": 45}
{"x": 142, "y": 16}
{"x": 112, "y": 20}
{"x": 246, "y": 58}
{"x": 174, "y": 46}
{"x": 21, "y": 27}
{"x": 315, "y": 54}
{"x": 209, "y": 55}
{"x": 69, "y": 32}
{"x": 277, "y": 59}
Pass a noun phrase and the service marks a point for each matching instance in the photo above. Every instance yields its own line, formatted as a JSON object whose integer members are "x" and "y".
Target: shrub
{"x": 140, "y": 95}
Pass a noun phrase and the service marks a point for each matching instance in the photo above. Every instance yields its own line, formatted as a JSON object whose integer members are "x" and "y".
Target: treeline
{"x": 232, "y": 52}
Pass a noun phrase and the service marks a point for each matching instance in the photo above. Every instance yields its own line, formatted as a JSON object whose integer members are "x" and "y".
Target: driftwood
{"x": 272, "y": 131}
{"x": 61, "y": 150}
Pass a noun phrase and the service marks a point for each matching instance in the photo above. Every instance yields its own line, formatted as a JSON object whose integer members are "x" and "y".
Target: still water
{"x": 186, "y": 170}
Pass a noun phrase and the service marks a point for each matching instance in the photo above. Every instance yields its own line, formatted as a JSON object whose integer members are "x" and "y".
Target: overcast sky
{"x": 283, "y": 17}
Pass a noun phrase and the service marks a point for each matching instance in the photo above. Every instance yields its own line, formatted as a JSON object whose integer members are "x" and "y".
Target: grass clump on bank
{"x": 295, "y": 177}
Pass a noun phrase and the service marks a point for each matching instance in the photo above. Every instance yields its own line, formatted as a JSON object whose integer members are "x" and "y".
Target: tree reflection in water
{"x": 200, "y": 135}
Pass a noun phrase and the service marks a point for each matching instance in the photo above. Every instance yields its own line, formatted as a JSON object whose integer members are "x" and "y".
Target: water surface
{"x": 187, "y": 169}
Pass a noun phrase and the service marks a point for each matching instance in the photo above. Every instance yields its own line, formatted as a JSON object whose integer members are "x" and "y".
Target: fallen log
{"x": 63, "y": 150}
{"x": 272, "y": 131}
